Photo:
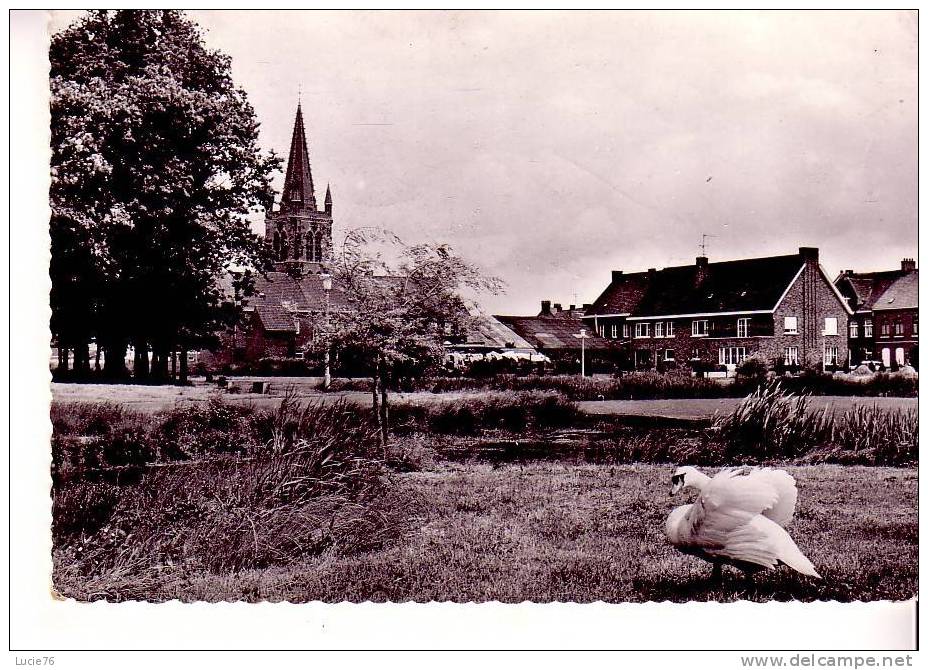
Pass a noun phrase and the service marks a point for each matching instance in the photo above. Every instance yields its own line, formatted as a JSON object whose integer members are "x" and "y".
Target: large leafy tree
{"x": 404, "y": 302}
{"x": 155, "y": 171}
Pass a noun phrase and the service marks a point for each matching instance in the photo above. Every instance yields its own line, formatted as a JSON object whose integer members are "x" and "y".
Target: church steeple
{"x": 328, "y": 199}
{"x": 298, "y": 193}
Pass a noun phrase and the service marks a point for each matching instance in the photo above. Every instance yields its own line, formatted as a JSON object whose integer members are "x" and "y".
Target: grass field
{"x": 157, "y": 398}
{"x": 555, "y": 531}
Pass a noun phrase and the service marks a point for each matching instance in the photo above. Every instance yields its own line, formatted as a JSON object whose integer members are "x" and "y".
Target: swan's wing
{"x": 723, "y": 512}
{"x": 782, "y": 511}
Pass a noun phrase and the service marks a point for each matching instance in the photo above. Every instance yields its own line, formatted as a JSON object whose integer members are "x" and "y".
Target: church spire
{"x": 328, "y": 199}
{"x": 299, "y": 193}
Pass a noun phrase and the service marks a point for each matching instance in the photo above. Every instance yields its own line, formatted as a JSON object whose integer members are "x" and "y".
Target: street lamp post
{"x": 582, "y": 337}
{"x": 327, "y": 289}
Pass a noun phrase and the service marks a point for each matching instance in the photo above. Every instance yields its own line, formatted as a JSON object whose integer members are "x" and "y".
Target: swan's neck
{"x": 697, "y": 480}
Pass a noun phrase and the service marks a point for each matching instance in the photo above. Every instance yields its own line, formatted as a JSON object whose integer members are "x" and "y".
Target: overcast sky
{"x": 553, "y": 147}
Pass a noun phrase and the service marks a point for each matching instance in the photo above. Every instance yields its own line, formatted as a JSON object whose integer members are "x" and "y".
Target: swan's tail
{"x": 787, "y": 552}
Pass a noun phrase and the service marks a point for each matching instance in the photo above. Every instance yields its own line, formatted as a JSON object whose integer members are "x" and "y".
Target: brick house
{"x": 783, "y": 309}
{"x": 884, "y": 324}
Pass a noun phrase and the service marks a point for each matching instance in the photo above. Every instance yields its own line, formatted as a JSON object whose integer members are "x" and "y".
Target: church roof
{"x": 298, "y": 193}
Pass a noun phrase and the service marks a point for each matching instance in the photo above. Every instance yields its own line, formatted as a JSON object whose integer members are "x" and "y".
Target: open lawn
{"x": 158, "y": 398}
{"x": 556, "y": 531}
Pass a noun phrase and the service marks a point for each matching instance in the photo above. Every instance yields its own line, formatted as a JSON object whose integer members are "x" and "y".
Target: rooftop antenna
{"x": 702, "y": 246}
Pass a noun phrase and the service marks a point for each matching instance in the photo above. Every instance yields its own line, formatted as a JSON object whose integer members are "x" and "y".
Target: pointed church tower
{"x": 299, "y": 235}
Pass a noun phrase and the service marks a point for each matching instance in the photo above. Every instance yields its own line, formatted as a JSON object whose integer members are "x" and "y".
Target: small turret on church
{"x": 300, "y": 236}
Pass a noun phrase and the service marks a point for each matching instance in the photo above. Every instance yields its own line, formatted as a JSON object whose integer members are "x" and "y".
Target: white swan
{"x": 738, "y": 519}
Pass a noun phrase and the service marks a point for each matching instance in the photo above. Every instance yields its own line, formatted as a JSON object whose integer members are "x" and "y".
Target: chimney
{"x": 573, "y": 307}
{"x": 546, "y": 308}
{"x": 849, "y": 273}
{"x": 908, "y": 264}
{"x": 809, "y": 254}
{"x": 616, "y": 275}
{"x": 557, "y": 307}
{"x": 702, "y": 268}
{"x": 587, "y": 306}
{"x": 651, "y": 272}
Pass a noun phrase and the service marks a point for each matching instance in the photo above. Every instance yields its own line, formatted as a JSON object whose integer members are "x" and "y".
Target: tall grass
{"x": 318, "y": 483}
{"x": 775, "y": 423}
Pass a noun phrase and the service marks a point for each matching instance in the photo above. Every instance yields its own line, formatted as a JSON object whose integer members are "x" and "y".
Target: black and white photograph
{"x": 470, "y": 307}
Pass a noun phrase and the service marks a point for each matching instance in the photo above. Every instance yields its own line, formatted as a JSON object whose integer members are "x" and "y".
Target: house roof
{"x": 487, "y": 331}
{"x": 900, "y": 294}
{"x": 552, "y": 332}
{"x": 621, "y": 296}
{"x": 753, "y": 284}
{"x": 866, "y": 289}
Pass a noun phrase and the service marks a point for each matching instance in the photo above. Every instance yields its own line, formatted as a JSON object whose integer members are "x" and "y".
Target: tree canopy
{"x": 155, "y": 171}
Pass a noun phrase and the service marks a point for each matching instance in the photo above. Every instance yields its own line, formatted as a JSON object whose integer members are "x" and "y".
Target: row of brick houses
{"x": 783, "y": 309}
{"x": 884, "y": 326}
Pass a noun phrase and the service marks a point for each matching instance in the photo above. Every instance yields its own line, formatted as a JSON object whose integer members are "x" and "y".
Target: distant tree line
{"x": 155, "y": 169}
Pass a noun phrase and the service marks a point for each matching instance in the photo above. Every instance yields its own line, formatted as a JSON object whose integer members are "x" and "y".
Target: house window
{"x": 731, "y": 355}
{"x": 601, "y": 330}
{"x": 700, "y": 328}
{"x": 854, "y": 329}
{"x": 897, "y": 329}
{"x": 626, "y": 330}
{"x": 743, "y": 327}
{"x": 915, "y": 327}
{"x": 615, "y": 331}
{"x": 831, "y": 326}
{"x": 668, "y": 354}
{"x": 641, "y": 330}
{"x": 831, "y": 356}
{"x": 790, "y": 325}
{"x": 884, "y": 328}
{"x": 659, "y": 329}
{"x": 868, "y": 328}
{"x": 791, "y": 356}
{"x": 668, "y": 329}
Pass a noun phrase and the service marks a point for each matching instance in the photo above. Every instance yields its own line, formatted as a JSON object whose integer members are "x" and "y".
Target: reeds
{"x": 773, "y": 423}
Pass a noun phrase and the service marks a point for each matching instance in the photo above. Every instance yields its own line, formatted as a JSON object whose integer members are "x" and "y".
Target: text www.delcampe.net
{"x": 826, "y": 661}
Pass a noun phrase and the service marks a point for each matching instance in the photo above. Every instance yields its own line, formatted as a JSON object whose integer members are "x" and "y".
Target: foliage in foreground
{"x": 318, "y": 484}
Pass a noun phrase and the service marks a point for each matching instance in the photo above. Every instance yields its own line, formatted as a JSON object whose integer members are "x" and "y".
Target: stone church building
{"x": 281, "y": 319}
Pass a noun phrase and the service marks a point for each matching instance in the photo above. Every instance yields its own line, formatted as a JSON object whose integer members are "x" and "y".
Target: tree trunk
{"x": 96, "y": 359}
{"x": 114, "y": 361}
{"x": 183, "y": 364}
{"x": 376, "y": 404}
{"x": 140, "y": 366}
{"x": 174, "y": 363}
{"x": 82, "y": 358}
{"x": 384, "y": 407}
{"x": 62, "y": 360}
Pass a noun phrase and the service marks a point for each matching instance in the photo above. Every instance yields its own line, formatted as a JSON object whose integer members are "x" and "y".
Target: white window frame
{"x": 791, "y": 356}
{"x": 831, "y": 356}
{"x": 898, "y": 329}
{"x": 669, "y": 358}
{"x": 854, "y": 330}
{"x": 732, "y": 355}
{"x": 658, "y": 329}
{"x": 744, "y": 324}
{"x": 914, "y": 327}
{"x": 831, "y": 326}
{"x": 868, "y": 327}
{"x": 789, "y": 329}
{"x": 885, "y": 329}
{"x": 602, "y": 330}
{"x": 642, "y": 330}
{"x": 697, "y": 331}
{"x": 626, "y": 330}
{"x": 668, "y": 329}
{"x": 615, "y": 331}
